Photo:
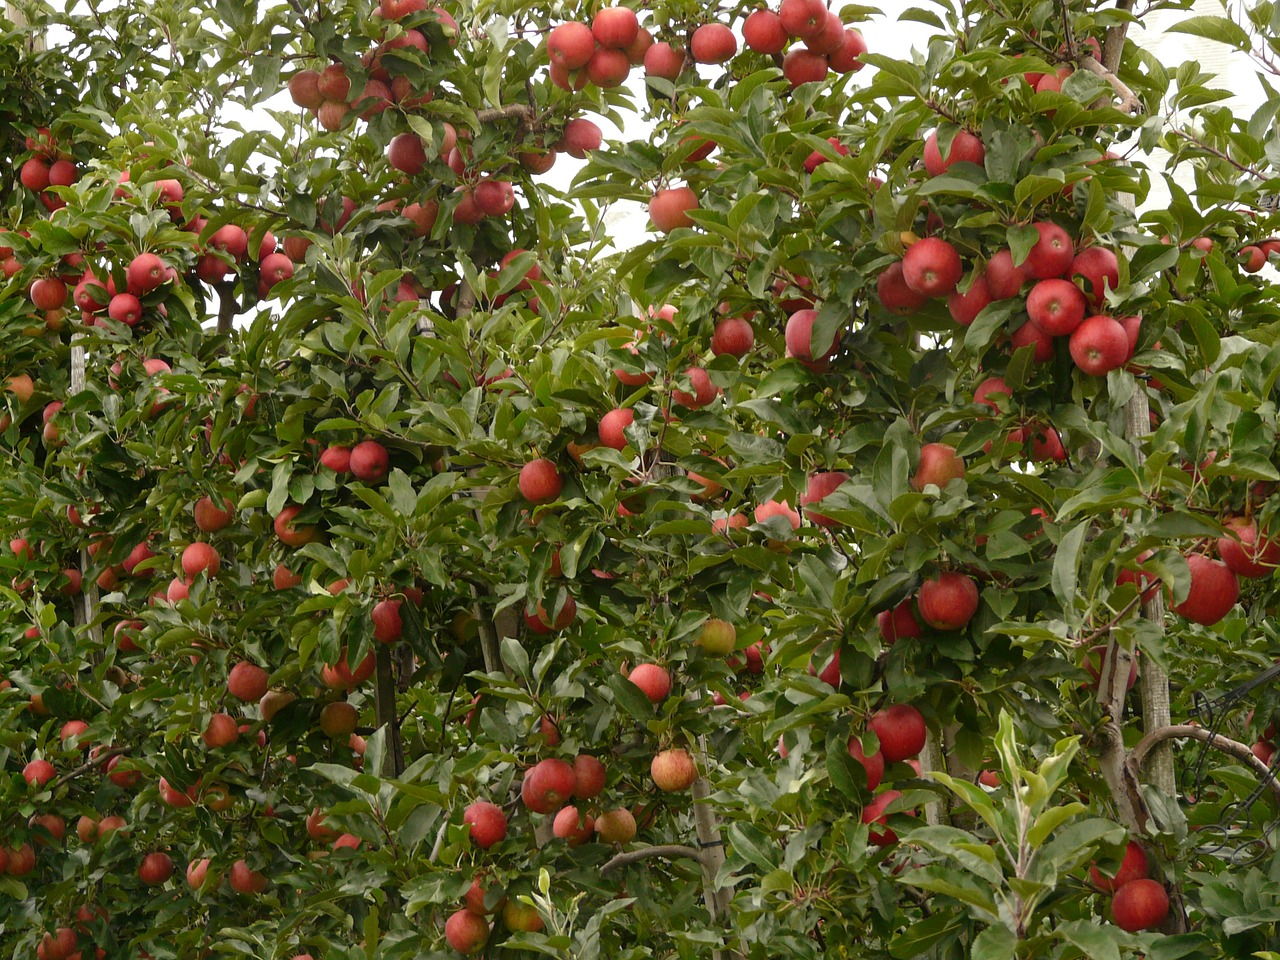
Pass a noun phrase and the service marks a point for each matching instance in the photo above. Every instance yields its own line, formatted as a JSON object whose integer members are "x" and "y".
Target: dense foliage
{"x": 353, "y": 474}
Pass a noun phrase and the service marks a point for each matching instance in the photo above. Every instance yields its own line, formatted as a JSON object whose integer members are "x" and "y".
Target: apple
{"x": 1264, "y": 750}
{"x": 1056, "y": 306}
{"x": 198, "y": 558}
{"x": 901, "y": 730}
{"x": 874, "y": 764}
{"x": 616, "y": 826}
{"x": 763, "y": 32}
{"x": 1140, "y": 905}
{"x": 570, "y": 45}
{"x": 673, "y": 770}
{"x": 847, "y": 59}
{"x": 247, "y": 681}
{"x": 717, "y": 638}
{"x": 615, "y": 27}
{"x": 654, "y": 681}
{"x": 965, "y": 307}
{"x": 407, "y": 154}
{"x": 175, "y": 797}
{"x": 1031, "y": 335}
{"x": 949, "y": 601}
{"x": 664, "y": 61}
{"x": 548, "y": 785}
{"x": 1052, "y": 254}
{"x": 732, "y": 335}
{"x": 465, "y": 931}
{"x": 540, "y": 481}
{"x": 1004, "y": 280}
{"x": 476, "y": 896}
{"x": 818, "y": 158}
{"x": 1244, "y": 553}
{"x": 638, "y": 47}
{"x": 704, "y": 391}
{"x": 59, "y": 945}
{"x": 48, "y": 293}
{"x": 369, "y": 461}
{"x": 939, "y": 465}
{"x": 874, "y": 813}
{"x": 799, "y": 340}
{"x": 1100, "y": 269}
{"x": 244, "y": 880}
{"x": 1214, "y": 591}
{"x": 1099, "y": 345}
{"x": 145, "y": 273}
{"x": 488, "y": 823}
{"x": 221, "y": 731}
{"x": 965, "y": 148}
{"x": 197, "y": 870}
{"x": 669, "y": 208}
{"x": 830, "y": 38}
{"x": 819, "y": 486}
{"x": 898, "y": 623}
{"x": 304, "y": 89}
{"x": 521, "y": 918}
{"x": 932, "y": 267}
{"x": 209, "y": 518}
{"x": 273, "y": 701}
{"x": 338, "y": 719}
{"x": 388, "y": 626}
{"x": 713, "y": 43}
{"x": 539, "y": 621}
{"x": 37, "y": 773}
{"x": 589, "y": 777}
{"x": 802, "y": 18}
{"x": 155, "y": 869}
{"x": 608, "y": 68}
{"x": 282, "y": 578}
{"x": 1132, "y": 867}
{"x": 894, "y": 294}
{"x": 801, "y": 66}
{"x": 580, "y": 137}
{"x": 613, "y": 426}
{"x": 573, "y": 826}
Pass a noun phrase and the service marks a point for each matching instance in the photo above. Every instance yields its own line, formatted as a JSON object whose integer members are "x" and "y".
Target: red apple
{"x": 932, "y": 267}
{"x": 713, "y": 43}
{"x": 874, "y": 813}
{"x": 874, "y": 764}
{"x": 819, "y": 486}
{"x": 540, "y": 481}
{"x": 965, "y": 148}
{"x": 1140, "y": 905}
{"x": 1052, "y": 254}
{"x": 573, "y": 826}
{"x": 669, "y": 208}
{"x": 589, "y": 776}
{"x": 1100, "y": 270}
{"x": 939, "y": 465}
{"x": 763, "y": 32}
{"x": 901, "y": 730}
{"x": 1214, "y": 591}
{"x": 1245, "y": 553}
{"x": 1056, "y": 306}
{"x": 488, "y": 823}
{"x": 247, "y": 681}
{"x": 1099, "y": 345}
{"x": 673, "y": 770}
{"x": 654, "y": 681}
{"x": 369, "y": 461}
{"x": 949, "y": 601}
{"x": 894, "y": 294}
{"x": 466, "y": 931}
{"x": 548, "y": 785}
{"x": 1132, "y": 867}
{"x": 664, "y": 61}
{"x": 570, "y": 45}
{"x": 898, "y": 623}
{"x": 615, "y": 27}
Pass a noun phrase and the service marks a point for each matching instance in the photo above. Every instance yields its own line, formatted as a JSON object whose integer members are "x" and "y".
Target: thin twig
{"x": 669, "y": 850}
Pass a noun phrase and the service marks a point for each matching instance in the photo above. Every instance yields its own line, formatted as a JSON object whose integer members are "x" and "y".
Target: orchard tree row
{"x": 398, "y": 565}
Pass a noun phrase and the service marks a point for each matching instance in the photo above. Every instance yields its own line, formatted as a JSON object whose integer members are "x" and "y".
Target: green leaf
{"x": 1066, "y": 564}
{"x": 993, "y": 943}
{"x": 1219, "y": 29}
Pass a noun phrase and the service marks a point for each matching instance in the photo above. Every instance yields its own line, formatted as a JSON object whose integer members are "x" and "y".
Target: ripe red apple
{"x": 145, "y": 273}
{"x": 48, "y": 293}
{"x": 965, "y": 148}
{"x": 1099, "y": 345}
{"x": 37, "y": 773}
{"x": 991, "y": 392}
{"x": 589, "y": 776}
{"x": 654, "y": 681}
{"x": 573, "y": 826}
{"x": 540, "y": 481}
{"x": 673, "y": 770}
{"x": 369, "y": 461}
{"x": 801, "y": 65}
{"x": 290, "y": 535}
{"x": 1140, "y": 905}
{"x": 1031, "y": 335}
{"x": 898, "y": 623}
{"x": 608, "y": 68}
{"x": 939, "y": 465}
{"x": 874, "y": 764}
{"x": 58, "y": 945}
{"x": 1004, "y": 280}
{"x": 763, "y": 32}
{"x": 221, "y": 731}
{"x": 1245, "y": 553}
{"x": 304, "y": 89}
{"x": 388, "y": 626}
{"x": 848, "y": 58}
{"x": 932, "y": 267}
{"x": 949, "y": 601}
{"x": 155, "y": 869}
{"x": 570, "y": 45}
{"x": 616, "y": 826}
{"x": 540, "y": 621}
{"x": 1214, "y": 591}
{"x": 466, "y": 931}
{"x": 901, "y": 730}
{"x": 1100, "y": 270}
{"x": 197, "y": 870}
{"x": 802, "y": 18}
{"x": 615, "y": 27}
{"x": 819, "y": 486}
{"x": 209, "y": 518}
{"x": 612, "y": 427}
{"x": 1056, "y": 306}
{"x": 247, "y": 681}
{"x": 1132, "y": 867}
{"x": 581, "y": 136}
{"x": 713, "y": 43}
{"x": 894, "y": 294}
{"x": 669, "y": 208}
{"x": 664, "y": 61}
{"x": 965, "y": 307}
{"x": 244, "y": 880}
{"x": 1052, "y": 254}
{"x": 488, "y": 823}
{"x": 548, "y": 785}
{"x": 200, "y": 558}
{"x": 874, "y": 813}
{"x": 339, "y": 719}
{"x": 799, "y": 340}
{"x": 407, "y": 154}
{"x": 818, "y": 158}
{"x": 734, "y": 336}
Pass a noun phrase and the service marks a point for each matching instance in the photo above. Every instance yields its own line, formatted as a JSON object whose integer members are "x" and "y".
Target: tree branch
{"x": 1129, "y": 102}
{"x": 668, "y": 850}
{"x": 1187, "y": 731}
{"x": 1113, "y": 45}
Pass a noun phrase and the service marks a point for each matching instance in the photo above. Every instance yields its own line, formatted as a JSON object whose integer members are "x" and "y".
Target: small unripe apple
{"x": 718, "y": 637}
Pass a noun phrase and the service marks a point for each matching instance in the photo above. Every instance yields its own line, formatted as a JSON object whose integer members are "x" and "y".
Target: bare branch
{"x": 1129, "y": 102}
{"x": 1187, "y": 731}
{"x": 670, "y": 850}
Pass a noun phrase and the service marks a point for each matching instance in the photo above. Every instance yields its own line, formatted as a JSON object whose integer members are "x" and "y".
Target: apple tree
{"x": 402, "y": 561}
